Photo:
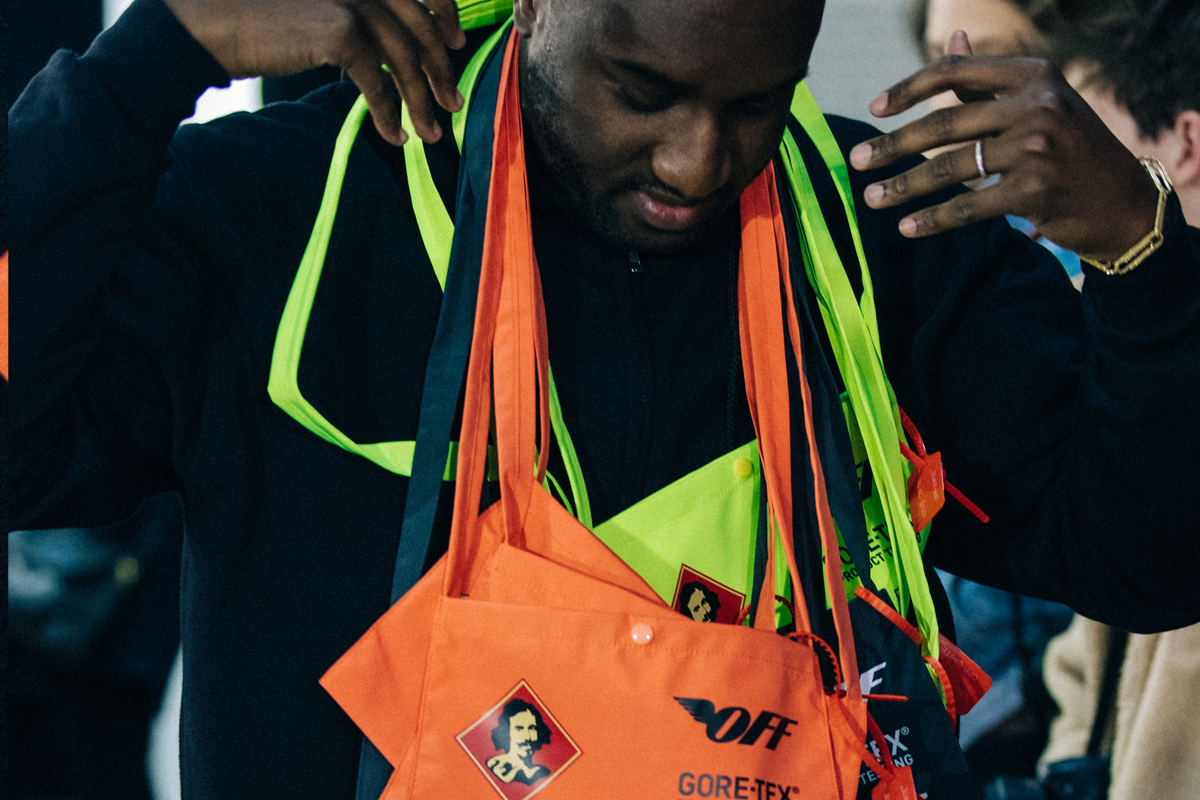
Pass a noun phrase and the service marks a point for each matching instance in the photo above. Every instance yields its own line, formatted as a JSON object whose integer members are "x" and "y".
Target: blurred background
{"x": 863, "y": 48}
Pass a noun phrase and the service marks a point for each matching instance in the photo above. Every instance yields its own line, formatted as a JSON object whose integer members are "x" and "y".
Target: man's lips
{"x": 672, "y": 216}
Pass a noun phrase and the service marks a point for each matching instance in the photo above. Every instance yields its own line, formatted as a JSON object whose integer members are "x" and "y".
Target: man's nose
{"x": 693, "y": 158}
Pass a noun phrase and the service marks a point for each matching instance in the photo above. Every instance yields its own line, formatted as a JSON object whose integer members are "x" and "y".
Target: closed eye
{"x": 641, "y": 89}
{"x": 642, "y": 101}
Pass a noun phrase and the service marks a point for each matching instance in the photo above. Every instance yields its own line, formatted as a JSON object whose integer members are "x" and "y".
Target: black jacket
{"x": 149, "y": 272}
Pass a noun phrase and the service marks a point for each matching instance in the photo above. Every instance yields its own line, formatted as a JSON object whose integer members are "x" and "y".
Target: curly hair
{"x": 500, "y": 733}
{"x": 691, "y": 587}
{"x": 1146, "y": 51}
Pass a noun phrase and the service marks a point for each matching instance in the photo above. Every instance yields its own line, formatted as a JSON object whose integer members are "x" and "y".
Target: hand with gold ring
{"x": 1057, "y": 164}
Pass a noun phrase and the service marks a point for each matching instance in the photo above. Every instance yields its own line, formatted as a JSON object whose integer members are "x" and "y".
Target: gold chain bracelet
{"x": 1151, "y": 241}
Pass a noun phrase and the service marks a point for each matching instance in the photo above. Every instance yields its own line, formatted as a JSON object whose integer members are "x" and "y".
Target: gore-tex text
{"x": 734, "y": 787}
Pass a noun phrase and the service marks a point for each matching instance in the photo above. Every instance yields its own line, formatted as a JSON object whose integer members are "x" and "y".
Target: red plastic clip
{"x": 961, "y": 677}
{"x": 928, "y": 484}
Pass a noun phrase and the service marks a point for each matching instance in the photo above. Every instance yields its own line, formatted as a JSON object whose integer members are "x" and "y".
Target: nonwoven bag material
{"x": 608, "y": 662}
{"x": 646, "y": 696}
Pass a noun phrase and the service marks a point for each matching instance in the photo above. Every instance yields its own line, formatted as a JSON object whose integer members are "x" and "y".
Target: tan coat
{"x": 1156, "y": 747}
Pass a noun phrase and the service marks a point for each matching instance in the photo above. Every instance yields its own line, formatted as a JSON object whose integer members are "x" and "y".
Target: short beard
{"x": 557, "y": 162}
{"x": 560, "y": 173}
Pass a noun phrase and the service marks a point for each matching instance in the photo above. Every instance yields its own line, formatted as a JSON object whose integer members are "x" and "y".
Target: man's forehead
{"x": 685, "y": 35}
{"x": 722, "y": 12}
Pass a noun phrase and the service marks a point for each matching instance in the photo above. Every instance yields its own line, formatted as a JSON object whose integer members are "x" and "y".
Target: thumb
{"x": 958, "y": 45}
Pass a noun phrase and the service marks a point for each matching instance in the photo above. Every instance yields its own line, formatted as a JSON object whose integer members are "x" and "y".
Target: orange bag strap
{"x": 509, "y": 353}
{"x": 765, "y": 368}
{"x": 509, "y": 359}
{"x": 508, "y": 249}
{"x": 763, "y": 280}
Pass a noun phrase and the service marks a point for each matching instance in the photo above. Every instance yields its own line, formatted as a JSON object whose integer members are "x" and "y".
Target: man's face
{"x": 698, "y": 607}
{"x": 522, "y": 734}
{"x": 649, "y": 117}
{"x": 994, "y": 28}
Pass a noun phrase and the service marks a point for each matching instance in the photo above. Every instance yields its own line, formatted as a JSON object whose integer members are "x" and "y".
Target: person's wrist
{"x": 1149, "y": 243}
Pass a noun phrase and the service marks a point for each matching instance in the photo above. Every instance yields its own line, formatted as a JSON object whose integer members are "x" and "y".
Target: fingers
{"x": 445, "y": 16}
{"x": 1026, "y": 185}
{"x": 397, "y": 51}
{"x": 431, "y": 40}
{"x": 958, "y": 44}
{"x": 951, "y": 125}
{"x": 977, "y": 76}
{"x": 1054, "y": 161}
{"x": 946, "y": 169}
{"x": 963, "y": 209}
{"x": 400, "y": 50}
{"x": 376, "y": 85}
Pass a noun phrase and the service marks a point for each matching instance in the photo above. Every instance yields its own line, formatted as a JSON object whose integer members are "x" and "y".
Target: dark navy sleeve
{"x": 90, "y": 411}
{"x": 1070, "y": 418}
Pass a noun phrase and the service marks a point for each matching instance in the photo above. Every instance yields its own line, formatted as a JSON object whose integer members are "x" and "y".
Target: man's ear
{"x": 1185, "y": 172}
{"x": 525, "y": 13}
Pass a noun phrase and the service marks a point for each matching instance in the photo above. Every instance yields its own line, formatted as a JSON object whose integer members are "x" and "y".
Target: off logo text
{"x": 736, "y": 723}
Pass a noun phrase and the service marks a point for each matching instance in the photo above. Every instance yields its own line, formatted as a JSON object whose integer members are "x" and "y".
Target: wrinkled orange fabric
{"x": 528, "y": 610}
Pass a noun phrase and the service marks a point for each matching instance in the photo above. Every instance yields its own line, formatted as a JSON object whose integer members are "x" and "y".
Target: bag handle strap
{"x": 509, "y": 353}
{"x": 764, "y": 280}
{"x": 509, "y": 359}
{"x": 854, "y": 336}
{"x": 519, "y": 350}
{"x": 437, "y": 232}
{"x": 448, "y": 354}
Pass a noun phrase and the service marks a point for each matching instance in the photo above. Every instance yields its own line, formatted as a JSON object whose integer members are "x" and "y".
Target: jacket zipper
{"x": 644, "y": 414}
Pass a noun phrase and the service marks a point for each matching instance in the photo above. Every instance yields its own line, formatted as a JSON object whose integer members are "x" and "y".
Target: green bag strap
{"x": 481, "y": 13}
{"x": 854, "y": 335}
{"x": 583, "y": 508}
{"x": 436, "y": 230}
{"x": 437, "y": 233}
{"x": 852, "y": 327}
{"x": 853, "y": 331}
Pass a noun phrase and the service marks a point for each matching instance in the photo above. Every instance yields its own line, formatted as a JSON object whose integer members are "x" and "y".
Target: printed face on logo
{"x": 706, "y": 600}
{"x": 518, "y": 745}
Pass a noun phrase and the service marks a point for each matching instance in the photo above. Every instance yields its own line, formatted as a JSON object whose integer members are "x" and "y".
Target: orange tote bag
{"x": 531, "y": 658}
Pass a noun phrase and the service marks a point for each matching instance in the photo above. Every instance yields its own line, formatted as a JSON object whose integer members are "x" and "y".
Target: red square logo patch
{"x": 518, "y": 745}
